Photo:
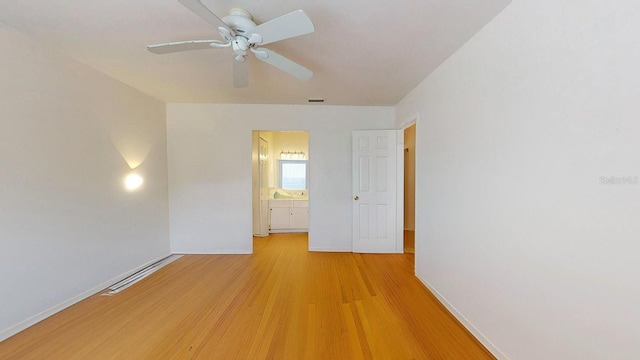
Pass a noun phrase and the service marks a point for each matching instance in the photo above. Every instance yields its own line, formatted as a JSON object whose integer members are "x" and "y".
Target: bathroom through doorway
{"x": 280, "y": 184}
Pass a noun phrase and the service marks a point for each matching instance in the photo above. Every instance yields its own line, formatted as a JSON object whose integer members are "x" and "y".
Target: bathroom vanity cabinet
{"x": 288, "y": 216}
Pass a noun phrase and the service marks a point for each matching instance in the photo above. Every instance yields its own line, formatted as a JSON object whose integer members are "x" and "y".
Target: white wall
{"x": 67, "y": 226}
{"x": 513, "y": 227}
{"x": 209, "y": 153}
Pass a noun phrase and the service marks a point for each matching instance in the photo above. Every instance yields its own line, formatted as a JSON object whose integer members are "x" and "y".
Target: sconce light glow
{"x": 133, "y": 181}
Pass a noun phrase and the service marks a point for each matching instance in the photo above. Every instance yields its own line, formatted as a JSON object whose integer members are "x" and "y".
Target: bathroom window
{"x": 294, "y": 174}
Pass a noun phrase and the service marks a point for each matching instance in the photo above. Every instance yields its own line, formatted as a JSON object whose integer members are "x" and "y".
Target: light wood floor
{"x": 280, "y": 303}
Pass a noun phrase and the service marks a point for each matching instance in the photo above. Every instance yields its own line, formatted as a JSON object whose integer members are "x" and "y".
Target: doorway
{"x": 409, "y": 188}
{"x": 280, "y": 186}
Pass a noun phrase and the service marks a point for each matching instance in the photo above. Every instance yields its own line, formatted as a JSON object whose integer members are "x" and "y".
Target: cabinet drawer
{"x": 301, "y": 203}
{"x": 280, "y": 203}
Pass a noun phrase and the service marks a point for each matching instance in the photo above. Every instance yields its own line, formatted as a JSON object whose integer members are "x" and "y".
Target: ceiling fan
{"x": 244, "y": 36}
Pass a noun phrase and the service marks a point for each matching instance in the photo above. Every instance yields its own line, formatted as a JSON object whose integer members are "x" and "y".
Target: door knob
{"x": 356, "y": 197}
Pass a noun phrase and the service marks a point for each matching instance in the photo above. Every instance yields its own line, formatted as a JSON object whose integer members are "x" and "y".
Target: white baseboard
{"x": 7, "y": 333}
{"x": 215, "y": 252}
{"x": 317, "y": 249}
{"x": 465, "y": 322}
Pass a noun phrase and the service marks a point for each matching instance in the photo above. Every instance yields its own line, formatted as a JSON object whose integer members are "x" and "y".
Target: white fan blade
{"x": 197, "y": 7}
{"x": 282, "y": 63}
{"x": 240, "y": 73}
{"x": 184, "y": 46}
{"x": 284, "y": 27}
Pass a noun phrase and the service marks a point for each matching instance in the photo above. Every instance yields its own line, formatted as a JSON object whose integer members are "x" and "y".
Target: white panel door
{"x": 374, "y": 191}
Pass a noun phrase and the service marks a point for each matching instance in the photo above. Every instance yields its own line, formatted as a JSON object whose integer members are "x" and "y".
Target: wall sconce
{"x": 133, "y": 182}
{"x": 295, "y": 155}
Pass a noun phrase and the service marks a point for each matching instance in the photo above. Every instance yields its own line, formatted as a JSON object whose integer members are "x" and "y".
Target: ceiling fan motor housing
{"x": 240, "y": 21}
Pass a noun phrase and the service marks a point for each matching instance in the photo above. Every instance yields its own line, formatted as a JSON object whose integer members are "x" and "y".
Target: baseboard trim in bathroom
{"x": 139, "y": 275}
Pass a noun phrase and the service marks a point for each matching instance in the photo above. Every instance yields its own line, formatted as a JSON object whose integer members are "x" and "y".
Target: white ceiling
{"x": 362, "y": 53}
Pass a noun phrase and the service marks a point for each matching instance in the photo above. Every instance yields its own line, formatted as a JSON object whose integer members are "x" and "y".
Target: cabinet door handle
{"x": 356, "y": 198}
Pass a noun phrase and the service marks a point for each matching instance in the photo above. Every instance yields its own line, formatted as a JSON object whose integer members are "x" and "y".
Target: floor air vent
{"x": 139, "y": 275}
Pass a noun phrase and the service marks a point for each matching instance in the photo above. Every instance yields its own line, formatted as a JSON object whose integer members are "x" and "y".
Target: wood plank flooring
{"x": 282, "y": 302}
